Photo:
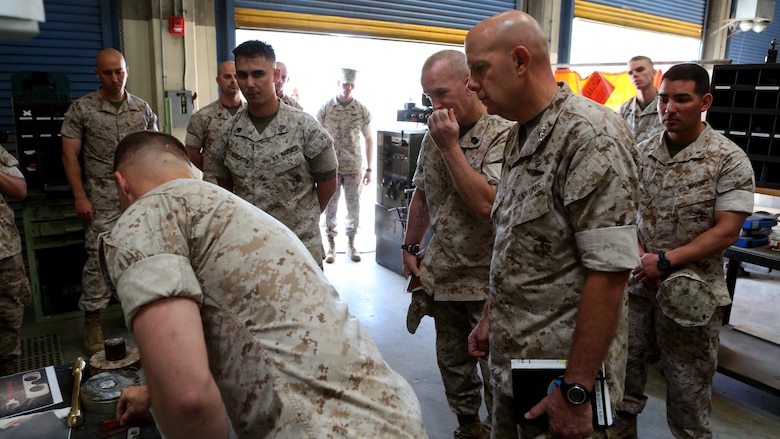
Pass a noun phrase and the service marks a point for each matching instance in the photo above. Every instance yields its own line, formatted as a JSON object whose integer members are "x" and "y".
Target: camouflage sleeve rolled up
{"x": 10, "y": 242}
{"x": 196, "y": 130}
{"x": 219, "y": 149}
{"x": 9, "y": 165}
{"x": 319, "y": 149}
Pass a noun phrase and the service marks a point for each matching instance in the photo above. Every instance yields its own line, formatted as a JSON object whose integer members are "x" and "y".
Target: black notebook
{"x": 532, "y": 380}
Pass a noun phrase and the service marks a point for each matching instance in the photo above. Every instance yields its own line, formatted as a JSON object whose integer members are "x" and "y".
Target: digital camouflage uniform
{"x": 202, "y": 131}
{"x": 288, "y": 358}
{"x": 100, "y": 127}
{"x": 566, "y": 204}
{"x": 274, "y": 170}
{"x": 14, "y": 285}
{"x": 291, "y": 101}
{"x": 345, "y": 123}
{"x": 679, "y": 198}
{"x": 457, "y": 261}
{"x": 644, "y": 124}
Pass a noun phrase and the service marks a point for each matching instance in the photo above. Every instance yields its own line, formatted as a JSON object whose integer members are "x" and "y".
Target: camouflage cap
{"x": 687, "y": 299}
{"x": 348, "y": 76}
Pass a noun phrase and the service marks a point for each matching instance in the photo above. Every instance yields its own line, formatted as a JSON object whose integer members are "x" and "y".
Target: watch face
{"x": 577, "y": 394}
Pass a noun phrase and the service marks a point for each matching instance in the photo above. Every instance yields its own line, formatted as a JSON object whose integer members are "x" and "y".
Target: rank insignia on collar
{"x": 474, "y": 140}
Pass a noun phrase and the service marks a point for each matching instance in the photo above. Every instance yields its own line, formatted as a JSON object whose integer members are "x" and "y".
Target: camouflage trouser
{"x": 688, "y": 358}
{"x": 95, "y": 293}
{"x": 14, "y": 296}
{"x": 504, "y": 426}
{"x": 352, "y": 184}
{"x": 462, "y": 384}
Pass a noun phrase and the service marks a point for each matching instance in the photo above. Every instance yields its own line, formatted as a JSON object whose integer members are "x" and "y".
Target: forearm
{"x": 472, "y": 186}
{"x": 13, "y": 187}
{"x": 196, "y": 157}
{"x": 73, "y": 174}
{"x": 598, "y": 314}
{"x": 417, "y": 219}
{"x": 226, "y": 183}
{"x": 192, "y": 419}
{"x": 369, "y": 150}
{"x": 171, "y": 341}
{"x": 325, "y": 191}
{"x": 724, "y": 233}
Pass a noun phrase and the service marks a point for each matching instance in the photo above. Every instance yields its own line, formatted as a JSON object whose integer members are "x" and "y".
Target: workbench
{"x": 744, "y": 357}
{"x": 92, "y": 421}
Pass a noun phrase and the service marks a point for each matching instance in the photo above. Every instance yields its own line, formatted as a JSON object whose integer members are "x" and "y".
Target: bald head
{"x": 111, "y": 69}
{"x": 509, "y": 58}
{"x": 146, "y": 159}
{"x": 109, "y": 56}
{"x": 228, "y": 84}
{"x": 283, "y": 78}
{"x": 226, "y": 67}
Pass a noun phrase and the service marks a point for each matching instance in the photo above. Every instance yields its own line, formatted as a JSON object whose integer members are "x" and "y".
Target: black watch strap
{"x": 411, "y": 248}
{"x": 664, "y": 264}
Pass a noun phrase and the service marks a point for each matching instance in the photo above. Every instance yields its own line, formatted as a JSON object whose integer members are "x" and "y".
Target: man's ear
{"x": 520, "y": 58}
{"x": 123, "y": 188}
{"x": 706, "y": 102}
{"x": 122, "y": 185}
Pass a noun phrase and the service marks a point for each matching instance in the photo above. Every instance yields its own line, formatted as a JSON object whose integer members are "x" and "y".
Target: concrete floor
{"x": 376, "y": 296}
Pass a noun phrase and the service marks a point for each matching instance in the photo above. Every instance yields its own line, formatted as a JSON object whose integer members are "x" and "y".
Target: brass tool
{"x": 75, "y": 419}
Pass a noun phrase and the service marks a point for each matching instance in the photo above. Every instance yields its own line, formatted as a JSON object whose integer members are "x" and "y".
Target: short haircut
{"x": 138, "y": 141}
{"x": 455, "y": 59}
{"x": 690, "y": 72}
{"x": 255, "y": 49}
{"x": 642, "y": 58}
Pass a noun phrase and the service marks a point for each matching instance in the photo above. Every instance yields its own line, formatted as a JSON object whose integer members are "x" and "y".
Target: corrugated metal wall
{"x": 456, "y": 14}
{"x": 691, "y": 11}
{"x": 74, "y": 32}
{"x": 750, "y": 47}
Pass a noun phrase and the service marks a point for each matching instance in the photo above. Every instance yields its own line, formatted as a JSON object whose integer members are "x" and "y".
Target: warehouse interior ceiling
{"x": 389, "y": 69}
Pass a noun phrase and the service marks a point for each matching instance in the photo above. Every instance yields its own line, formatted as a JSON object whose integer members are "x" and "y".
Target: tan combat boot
{"x": 329, "y": 257}
{"x": 351, "y": 252}
{"x": 93, "y": 332}
{"x": 471, "y": 430}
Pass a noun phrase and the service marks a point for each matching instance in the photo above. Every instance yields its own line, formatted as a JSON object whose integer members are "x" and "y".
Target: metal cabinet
{"x": 397, "y": 153}
{"x": 54, "y": 238}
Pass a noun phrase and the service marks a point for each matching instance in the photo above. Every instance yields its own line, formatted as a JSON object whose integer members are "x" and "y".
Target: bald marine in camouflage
{"x": 203, "y": 127}
{"x": 93, "y": 126}
{"x": 14, "y": 285}
{"x": 223, "y": 297}
{"x": 565, "y": 217}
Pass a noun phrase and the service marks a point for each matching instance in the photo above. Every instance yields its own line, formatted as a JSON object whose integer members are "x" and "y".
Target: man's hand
{"x": 444, "y": 129}
{"x": 133, "y": 401}
{"x": 648, "y": 273}
{"x": 566, "y": 420}
{"x": 479, "y": 339}
{"x": 410, "y": 264}
{"x": 84, "y": 209}
{"x": 366, "y": 178}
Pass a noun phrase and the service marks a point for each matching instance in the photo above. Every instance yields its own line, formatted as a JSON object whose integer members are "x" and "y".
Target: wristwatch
{"x": 411, "y": 248}
{"x": 575, "y": 393}
{"x": 663, "y": 263}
